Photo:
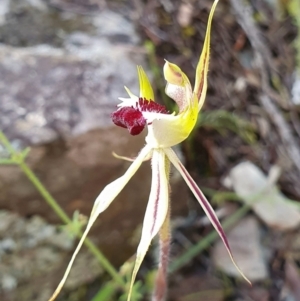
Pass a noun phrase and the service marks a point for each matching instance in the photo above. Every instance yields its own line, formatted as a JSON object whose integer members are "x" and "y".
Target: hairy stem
{"x": 160, "y": 288}
{"x": 161, "y": 285}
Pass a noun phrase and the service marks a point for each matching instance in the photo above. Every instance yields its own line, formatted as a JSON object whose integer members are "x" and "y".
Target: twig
{"x": 244, "y": 17}
{"x": 207, "y": 240}
{"x": 283, "y": 129}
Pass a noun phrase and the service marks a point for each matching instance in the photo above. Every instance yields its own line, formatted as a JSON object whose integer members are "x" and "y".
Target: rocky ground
{"x": 63, "y": 65}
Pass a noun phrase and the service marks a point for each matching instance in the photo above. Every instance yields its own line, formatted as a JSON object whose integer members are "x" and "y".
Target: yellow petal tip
{"x": 146, "y": 90}
{"x": 173, "y": 74}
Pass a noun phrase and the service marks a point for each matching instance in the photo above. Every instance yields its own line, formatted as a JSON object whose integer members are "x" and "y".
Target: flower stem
{"x": 160, "y": 288}
{"x": 161, "y": 282}
{"x": 18, "y": 159}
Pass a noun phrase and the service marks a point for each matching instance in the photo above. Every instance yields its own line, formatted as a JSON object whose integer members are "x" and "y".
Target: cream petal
{"x": 127, "y": 102}
{"x": 178, "y": 94}
{"x": 104, "y": 199}
{"x": 129, "y": 159}
{"x": 209, "y": 211}
{"x": 168, "y": 130}
{"x": 156, "y": 211}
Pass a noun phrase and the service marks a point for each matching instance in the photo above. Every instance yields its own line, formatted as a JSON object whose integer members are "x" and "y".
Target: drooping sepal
{"x": 105, "y": 198}
{"x": 207, "y": 208}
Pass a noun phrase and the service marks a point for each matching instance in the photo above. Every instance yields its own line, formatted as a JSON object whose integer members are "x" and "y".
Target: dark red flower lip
{"x": 132, "y": 117}
{"x": 151, "y": 106}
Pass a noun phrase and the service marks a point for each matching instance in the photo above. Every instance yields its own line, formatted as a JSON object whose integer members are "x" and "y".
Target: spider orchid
{"x": 164, "y": 131}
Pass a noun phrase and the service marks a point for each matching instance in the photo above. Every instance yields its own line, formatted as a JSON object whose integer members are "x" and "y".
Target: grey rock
{"x": 259, "y": 191}
{"x": 26, "y": 251}
{"x": 24, "y": 262}
{"x": 52, "y": 96}
{"x": 61, "y": 76}
{"x": 115, "y": 27}
{"x": 49, "y": 93}
{"x": 244, "y": 240}
{"x": 4, "y": 8}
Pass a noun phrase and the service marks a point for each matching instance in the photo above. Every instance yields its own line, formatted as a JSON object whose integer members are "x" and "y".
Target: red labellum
{"x": 151, "y": 106}
{"x": 129, "y": 118}
{"x": 132, "y": 118}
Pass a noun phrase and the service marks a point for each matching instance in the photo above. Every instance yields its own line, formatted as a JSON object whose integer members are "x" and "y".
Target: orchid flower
{"x": 164, "y": 131}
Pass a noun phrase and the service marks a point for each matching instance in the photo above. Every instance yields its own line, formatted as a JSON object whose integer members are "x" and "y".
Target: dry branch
{"x": 263, "y": 56}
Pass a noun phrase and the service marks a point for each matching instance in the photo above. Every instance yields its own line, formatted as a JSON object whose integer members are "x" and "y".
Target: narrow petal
{"x": 209, "y": 211}
{"x": 202, "y": 67}
{"x": 130, "y": 159}
{"x": 128, "y": 102}
{"x": 156, "y": 211}
{"x": 145, "y": 86}
{"x": 131, "y": 95}
{"x": 105, "y": 198}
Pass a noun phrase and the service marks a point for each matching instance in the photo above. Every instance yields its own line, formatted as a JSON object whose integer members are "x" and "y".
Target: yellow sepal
{"x": 146, "y": 90}
{"x": 202, "y": 67}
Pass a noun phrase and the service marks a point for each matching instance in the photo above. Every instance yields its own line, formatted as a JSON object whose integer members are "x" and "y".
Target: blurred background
{"x": 63, "y": 65}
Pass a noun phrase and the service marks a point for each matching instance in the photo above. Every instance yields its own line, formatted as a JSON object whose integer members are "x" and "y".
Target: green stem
{"x": 206, "y": 241}
{"x": 44, "y": 193}
{"x": 58, "y": 210}
{"x": 6, "y": 143}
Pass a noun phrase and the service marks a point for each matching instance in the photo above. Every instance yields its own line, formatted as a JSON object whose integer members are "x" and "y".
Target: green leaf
{"x": 136, "y": 293}
{"x": 106, "y": 293}
{"x": 222, "y": 120}
{"x": 25, "y": 152}
{"x": 78, "y": 221}
{"x": 7, "y": 162}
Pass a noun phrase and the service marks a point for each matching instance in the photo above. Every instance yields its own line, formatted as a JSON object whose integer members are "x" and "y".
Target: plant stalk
{"x": 19, "y": 160}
